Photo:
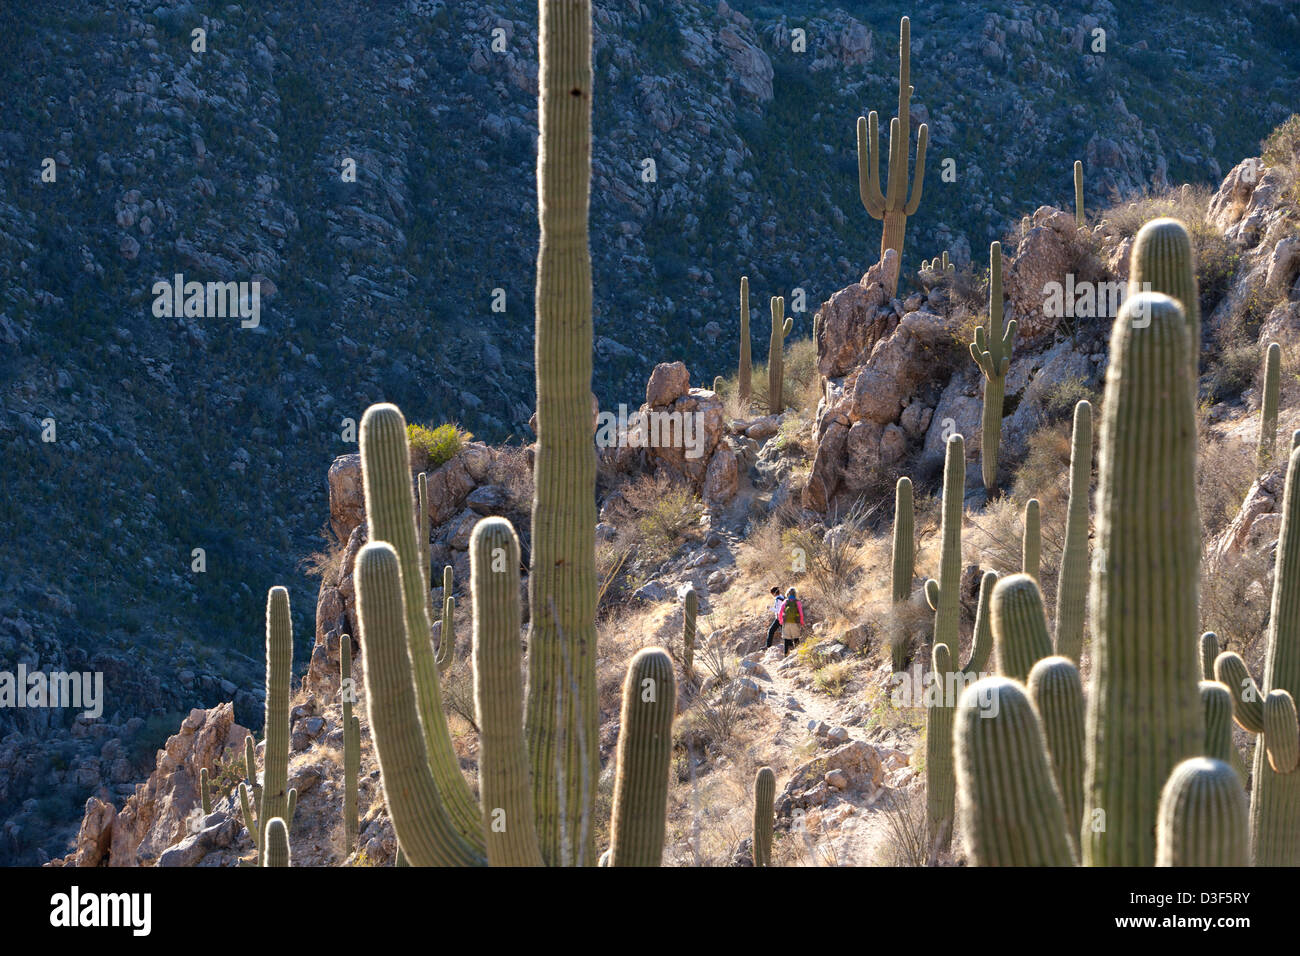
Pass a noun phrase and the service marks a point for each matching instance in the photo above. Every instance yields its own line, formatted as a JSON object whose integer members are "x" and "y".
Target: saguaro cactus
{"x": 1057, "y": 691}
{"x": 1162, "y": 260}
{"x": 1031, "y": 545}
{"x": 645, "y": 749}
{"x": 1270, "y": 709}
{"x": 1268, "y": 405}
{"x": 386, "y": 477}
{"x": 743, "y": 374}
{"x": 1019, "y": 626}
{"x": 205, "y": 792}
{"x": 764, "y": 795}
{"x": 781, "y": 327}
{"x": 1011, "y": 810}
{"x": 1080, "y": 219}
{"x": 276, "y": 799}
{"x": 447, "y": 633}
{"x": 992, "y": 353}
{"x": 351, "y": 746}
{"x": 690, "y": 607}
{"x": 563, "y": 738}
{"x": 1144, "y": 710}
{"x": 277, "y": 843}
{"x": 1202, "y": 818}
{"x": 894, "y": 205}
{"x": 1072, "y": 582}
{"x": 904, "y": 568}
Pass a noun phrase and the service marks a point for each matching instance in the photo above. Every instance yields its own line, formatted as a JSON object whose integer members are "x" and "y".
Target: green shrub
{"x": 439, "y": 444}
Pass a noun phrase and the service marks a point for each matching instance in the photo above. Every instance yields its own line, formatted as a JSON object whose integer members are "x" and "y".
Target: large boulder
{"x": 1046, "y": 252}
{"x": 347, "y": 496}
{"x": 854, "y": 319}
{"x": 668, "y": 382}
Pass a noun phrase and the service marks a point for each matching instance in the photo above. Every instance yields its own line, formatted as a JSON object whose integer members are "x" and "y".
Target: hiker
{"x": 791, "y": 608}
{"x": 776, "y": 616}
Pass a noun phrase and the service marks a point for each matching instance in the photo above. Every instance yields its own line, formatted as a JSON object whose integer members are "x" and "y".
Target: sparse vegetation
{"x": 438, "y": 445}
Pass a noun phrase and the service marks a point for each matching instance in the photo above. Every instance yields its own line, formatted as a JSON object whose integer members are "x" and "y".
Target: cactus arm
{"x": 940, "y": 784}
{"x": 1216, "y": 704}
{"x": 422, "y": 538}
{"x": 904, "y": 544}
{"x": 277, "y": 843}
{"x": 869, "y": 166}
{"x": 250, "y": 821}
{"x": 947, "y": 607}
{"x": 1209, "y": 651}
{"x": 764, "y": 795}
{"x": 1247, "y": 699}
{"x": 645, "y": 746}
{"x": 291, "y": 803}
{"x": 1031, "y": 547}
{"x": 424, "y": 829}
{"x": 982, "y": 637}
{"x": 386, "y": 476}
{"x": 1019, "y": 626}
{"x": 1268, "y": 406}
{"x": 1163, "y": 261}
{"x": 447, "y": 635}
{"x": 690, "y": 608}
{"x": 1281, "y": 731}
{"x": 1011, "y": 809}
{"x": 1080, "y": 218}
{"x": 1072, "y": 580}
{"x": 932, "y": 593}
{"x": 1057, "y": 691}
{"x": 918, "y": 176}
{"x": 1202, "y": 816}
{"x": 506, "y": 791}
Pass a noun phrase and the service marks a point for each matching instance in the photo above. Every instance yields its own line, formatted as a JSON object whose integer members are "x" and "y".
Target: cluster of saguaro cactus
{"x": 894, "y": 205}
{"x": 1268, "y": 404}
{"x": 939, "y": 265}
{"x": 1072, "y": 580}
{"x": 1080, "y": 218}
{"x": 690, "y": 608}
{"x": 745, "y": 371}
{"x": 904, "y": 568}
{"x": 764, "y": 795}
{"x": 781, "y": 327}
{"x": 992, "y": 353}
{"x": 351, "y": 746}
{"x": 275, "y": 799}
{"x": 944, "y": 598}
{"x": 1268, "y": 709}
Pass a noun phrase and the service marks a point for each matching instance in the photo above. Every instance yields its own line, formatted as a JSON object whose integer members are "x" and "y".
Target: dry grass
{"x": 832, "y": 679}
{"x": 906, "y": 842}
{"x": 1225, "y": 471}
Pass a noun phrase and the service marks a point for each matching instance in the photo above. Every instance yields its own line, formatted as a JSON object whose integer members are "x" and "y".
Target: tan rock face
{"x": 668, "y": 382}
{"x": 1045, "y": 254}
{"x": 347, "y": 497}
{"x": 852, "y": 321}
{"x": 722, "y": 479}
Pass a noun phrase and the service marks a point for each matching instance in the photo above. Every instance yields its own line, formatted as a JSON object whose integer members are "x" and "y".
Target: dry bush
{"x": 803, "y": 383}
{"x": 654, "y": 517}
{"x": 833, "y": 678}
{"x": 325, "y": 563}
{"x": 1225, "y": 471}
{"x": 1235, "y": 604}
{"x": 908, "y": 625}
{"x": 831, "y": 561}
{"x": 458, "y": 692}
{"x": 906, "y": 838}
{"x": 512, "y": 472}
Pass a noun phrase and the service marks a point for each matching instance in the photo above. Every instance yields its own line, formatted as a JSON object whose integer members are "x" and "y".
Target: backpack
{"x": 798, "y": 606}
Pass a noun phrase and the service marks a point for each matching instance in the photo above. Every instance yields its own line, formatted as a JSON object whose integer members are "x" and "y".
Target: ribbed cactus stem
{"x": 1031, "y": 546}
{"x": 904, "y": 549}
{"x": 645, "y": 748}
{"x": 1209, "y": 651}
{"x": 422, "y": 537}
{"x": 1202, "y": 819}
{"x": 1268, "y": 405}
{"x": 945, "y": 596}
{"x": 390, "y": 509}
{"x": 776, "y": 356}
{"x": 1216, "y": 705}
{"x": 744, "y": 373}
{"x": 894, "y": 205}
{"x": 982, "y": 637}
{"x": 1057, "y": 691}
{"x": 1072, "y": 581}
{"x": 1019, "y": 626}
{"x": 205, "y": 791}
{"x": 250, "y": 818}
{"x": 447, "y": 632}
{"x": 1080, "y": 219}
{"x": 1144, "y": 709}
{"x": 351, "y": 746}
{"x": 1162, "y": 260}
{"x": 561, "y": 713}
{"x": 424, "y": 829}
{"x": 992, "y": 353}
{"x": 277, "y": 843}
{"x": 940, "y": 784}
{"x": 505, "y": 790}
{"x": 1011, "y": 809}
{"x": 764, "y": 796}
{"x": 690, "y": 607}
{"x": 275, "y": 755}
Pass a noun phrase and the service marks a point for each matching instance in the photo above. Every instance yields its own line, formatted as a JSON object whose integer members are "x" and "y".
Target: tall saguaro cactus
{"x": 781, "y": 327}
{"x": 1031, "y": 546}
{"x": 1144, "y": 709}
{"x": 690, "y": 607}
{"x": 645, "y": 750}
{"x": 563, "y": 738}
{"x": 1056, "y": 689}
{"x": 1163, "y": 260}
{"x": 277, "y": 843}
{"x": 447, "y": 633}
{"x": 276, "y": 798}
{"x": 1268, "y": 404}
{"x": 744, "y": 373}
{"x": 992, "y": 353}
{"x": 1080, "y": 218}
{"x": 1269, "y": 709}
{"x": 904, "y": 568}
{"x": 351, "y": 746}
{"x": 1072, "y": 582}
{"x": 764, "y": 795}
{"x": 1019, "y": 626}
{"x": 894, "y": 205}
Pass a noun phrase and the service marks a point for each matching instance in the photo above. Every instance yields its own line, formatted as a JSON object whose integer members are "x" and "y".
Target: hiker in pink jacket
{"x": 790, "y": 617}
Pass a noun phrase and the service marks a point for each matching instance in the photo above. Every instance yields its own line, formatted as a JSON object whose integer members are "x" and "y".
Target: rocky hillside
{"x": 375, "y": 176}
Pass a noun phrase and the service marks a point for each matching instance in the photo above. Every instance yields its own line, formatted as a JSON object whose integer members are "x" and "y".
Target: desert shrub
{"x": 227, "y": 775}
{"x": 1060, "y": 398}
{"x": 906, "y": 842}
{"x": 512, "y": 472}
{"x": 833, "y": 678}
{"x": 439, "y": 445}
{"x": 1281, "y": 150}
{"x": 662, "y": 511}
{"x": 1231, "y": 372}
{"x": 1225, "y": 469}
{"x": 1235, "y": 603}
{"x": 458, "y": 692}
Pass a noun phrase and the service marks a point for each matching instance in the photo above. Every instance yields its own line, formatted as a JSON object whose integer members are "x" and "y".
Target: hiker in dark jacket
{"x": 776, "y": 616}
{"x": 791, "y": 619}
